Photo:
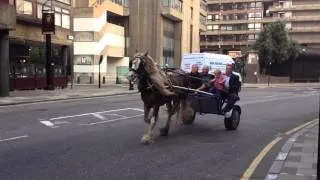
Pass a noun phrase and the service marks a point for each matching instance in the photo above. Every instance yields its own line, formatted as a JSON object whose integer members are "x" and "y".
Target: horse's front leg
{"x": 149, "y": 137}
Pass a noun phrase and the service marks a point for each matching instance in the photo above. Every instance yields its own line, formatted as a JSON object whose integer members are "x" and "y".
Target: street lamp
{"x": 100, "y": 61}
{"x": 48, "y": 28}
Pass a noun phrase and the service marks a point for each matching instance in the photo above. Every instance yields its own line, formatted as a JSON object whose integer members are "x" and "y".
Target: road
{"x": 99, "y": 138}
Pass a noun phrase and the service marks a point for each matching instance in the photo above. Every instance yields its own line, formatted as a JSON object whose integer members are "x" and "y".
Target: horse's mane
{"x": 157, "y": 77}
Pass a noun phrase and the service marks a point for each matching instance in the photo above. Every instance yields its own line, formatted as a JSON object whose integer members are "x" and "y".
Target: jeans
{"x": 232, "y": 99}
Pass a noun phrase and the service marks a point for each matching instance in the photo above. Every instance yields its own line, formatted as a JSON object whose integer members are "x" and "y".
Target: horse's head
{"x": 136, "y": 65}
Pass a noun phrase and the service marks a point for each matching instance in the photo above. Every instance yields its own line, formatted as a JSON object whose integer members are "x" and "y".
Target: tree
{"x": 274, "y": 45}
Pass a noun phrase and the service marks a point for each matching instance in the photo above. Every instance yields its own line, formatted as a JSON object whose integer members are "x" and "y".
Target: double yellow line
{"x": 255, "y": 163}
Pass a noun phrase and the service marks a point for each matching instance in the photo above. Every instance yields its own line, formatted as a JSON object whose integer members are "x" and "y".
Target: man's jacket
{"x": 234, "y": 84}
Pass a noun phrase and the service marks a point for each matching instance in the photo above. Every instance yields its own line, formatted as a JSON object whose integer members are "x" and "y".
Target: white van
{"x": 214, "y": 61}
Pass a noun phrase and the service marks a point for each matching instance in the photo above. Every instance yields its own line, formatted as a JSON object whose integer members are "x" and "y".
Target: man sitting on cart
{"x": 233, "y": 85}
{"x": 194, "y": 77}
{"x": 225, "y": 87}
{"x": 218, "y": 85}
{"x": 206, "y": 77}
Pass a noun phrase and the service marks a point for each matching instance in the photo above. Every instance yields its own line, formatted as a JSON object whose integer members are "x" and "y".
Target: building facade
{"x": 232, "y": 25}
{"x": 167, "y": 29}
{"x": 100, "y": 28}
{"x": 27, "y": 57}
{"x": 302, "y": 19}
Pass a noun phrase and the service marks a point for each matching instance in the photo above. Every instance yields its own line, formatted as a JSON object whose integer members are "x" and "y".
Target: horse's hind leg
{"x": 164, "y": 131}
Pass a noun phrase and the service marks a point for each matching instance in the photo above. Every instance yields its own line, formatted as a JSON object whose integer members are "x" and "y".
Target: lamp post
{"x": 48, "y": 28}
{"x": 100, "y": 61}
{"x": 269, "y": 73}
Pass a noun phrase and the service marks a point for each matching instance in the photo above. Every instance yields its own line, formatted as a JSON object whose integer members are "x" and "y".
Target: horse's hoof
{"x": 146, "y": 139}
{"x": 164, "y": 131}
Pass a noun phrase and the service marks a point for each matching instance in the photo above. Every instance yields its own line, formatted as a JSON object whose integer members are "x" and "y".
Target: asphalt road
{"x": 100, "y": 139}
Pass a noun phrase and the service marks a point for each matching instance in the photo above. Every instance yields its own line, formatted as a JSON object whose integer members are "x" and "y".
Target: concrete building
{"x": 100, "y": 28}
{"x": 232, "y": 25}
{"x": 166, "y": 28}
{"x": 7, "y": 23}
{"x": 117, "y": 28}
{"x": 302, "y": 18}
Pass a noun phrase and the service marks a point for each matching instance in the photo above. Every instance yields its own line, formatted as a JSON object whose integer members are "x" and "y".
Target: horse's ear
{"x": 146, "y": 53}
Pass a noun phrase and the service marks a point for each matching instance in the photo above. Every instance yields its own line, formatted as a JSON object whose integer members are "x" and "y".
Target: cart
{"x": 207, "y": 103}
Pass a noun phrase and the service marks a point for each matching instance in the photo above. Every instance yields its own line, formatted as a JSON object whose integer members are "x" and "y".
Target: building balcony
{"x": 110, "y": 41}
{"x": 203, "y": 27}
{"x": 203, "y": 12}
{"x": 230, "y": 32}
{"x": 266, "y": 20}
{"x": 305, "y": 29}
{"x": 230, "y": 1}
{"x": 226, "y": 43}
{"x": 237, "y": 11}
{"x": 172, "y": 9}
{"x": 7, "y": 15}
{"x": 294, "y": 8}
{"x": 244, "y": 21}
{"x": 101, "y": 6}
{"x": 310, "y": 41}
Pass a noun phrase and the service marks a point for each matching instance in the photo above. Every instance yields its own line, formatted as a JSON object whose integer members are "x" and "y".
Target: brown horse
{"x": 156, "y": 91}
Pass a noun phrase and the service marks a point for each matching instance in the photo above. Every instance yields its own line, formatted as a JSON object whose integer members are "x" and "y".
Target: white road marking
{"x": 14, "y": 138}
{"x": 99, "y": 116}
{"x": 112, "y": 120}
{"x": 86, "y": 114}
{"x": 47, "y": 123}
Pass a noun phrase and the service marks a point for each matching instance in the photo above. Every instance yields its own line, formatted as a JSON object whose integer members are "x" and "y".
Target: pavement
{"x": 76, "y": 92}
{"x": 99, "y": 138}
{"x": 88, "y": 91}
{"x": 298, "y": 157}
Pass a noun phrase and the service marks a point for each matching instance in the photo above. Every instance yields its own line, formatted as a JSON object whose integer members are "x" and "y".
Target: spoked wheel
{"x": 232, "y": 123}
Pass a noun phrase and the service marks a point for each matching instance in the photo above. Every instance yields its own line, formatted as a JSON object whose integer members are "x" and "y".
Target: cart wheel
{"x": 232, "y": 123}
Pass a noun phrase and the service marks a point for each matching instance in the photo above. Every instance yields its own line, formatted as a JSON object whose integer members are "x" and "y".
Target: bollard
{"x": 131, "y": 85}
{"x": 103, "y": 80}
{"x": 90, "y": 80}
{"x": 78, "y": 80}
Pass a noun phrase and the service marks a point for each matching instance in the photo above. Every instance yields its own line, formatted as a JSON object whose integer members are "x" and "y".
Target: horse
{"x": 155, "y": 86}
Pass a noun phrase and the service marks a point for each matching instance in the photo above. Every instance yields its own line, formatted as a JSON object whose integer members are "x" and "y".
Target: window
{"x": 281, "y": 15}
{"x": 255, "y": 26}
{"x": 253, "y": 37}
{"x": 39, "y": 10}
{"x": 257, "y": 15}
{"x": 209, "y": 27}
{"x": 209, "y": 17}
{"x": 215, "y": 27}
{"x": 24, "y": 7}
{"x": 64, "y": 1}
{"x": 65, "y": 21}
{"x": 216, "y": 17}
{"x": 61, "y": 17}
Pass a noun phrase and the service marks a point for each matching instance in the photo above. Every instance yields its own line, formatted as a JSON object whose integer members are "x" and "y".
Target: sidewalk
{"x": 284, "y": 85}
{"x": 77, "y": 92}
{"x": 298, "y": 157}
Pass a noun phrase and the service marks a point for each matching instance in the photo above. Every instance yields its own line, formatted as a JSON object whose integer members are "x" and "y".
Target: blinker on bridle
{"x": 142, "y": 59}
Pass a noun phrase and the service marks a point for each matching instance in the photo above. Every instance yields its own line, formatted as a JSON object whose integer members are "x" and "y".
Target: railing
{"x": 174, "y": 4}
